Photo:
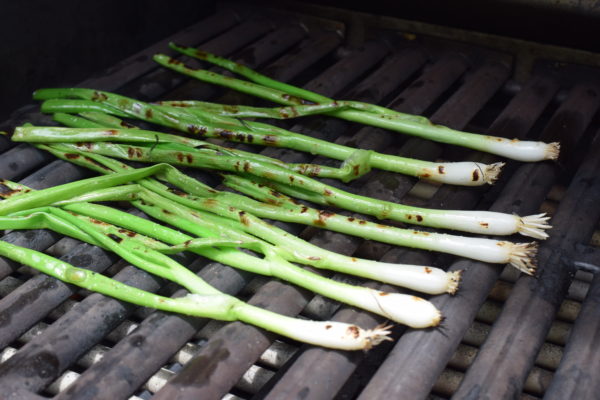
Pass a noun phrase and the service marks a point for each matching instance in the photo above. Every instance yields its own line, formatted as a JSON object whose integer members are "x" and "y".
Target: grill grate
{"x": 504, "y": 335}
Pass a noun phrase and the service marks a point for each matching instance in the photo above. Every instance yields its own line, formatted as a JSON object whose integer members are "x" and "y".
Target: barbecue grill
{"x": 505, "y": 335}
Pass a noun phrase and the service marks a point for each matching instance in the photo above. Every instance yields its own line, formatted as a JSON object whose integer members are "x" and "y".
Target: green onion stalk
{"x": 286, "y": 181}
{"x": 145, "y": 254}
{"x": 277, "y": 206}
{"x": 244, "y": 227}
{"x": 350, "y": 169}
{"x": 205, "y": 123}
{"x": 241, "y": 215}
{"x": 208, "y": 305}
{"x": 520, "y": 255}
{"x": 197, "y": 215}
{"x": 281, "y": 93}
{"x": 32, "y": 199}
{"x": 273, "y": 205}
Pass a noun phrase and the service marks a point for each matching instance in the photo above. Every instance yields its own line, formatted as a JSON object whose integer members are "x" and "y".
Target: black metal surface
{"x": 575, "y": 378}
{"x": 33, "y": 300}
{"x": 539, "y": 316}
{"x": 458, "y": 89}
{"x": 137, "y": 65}
{"x": 159, "y": 81}
{"x": 42, "y": 360}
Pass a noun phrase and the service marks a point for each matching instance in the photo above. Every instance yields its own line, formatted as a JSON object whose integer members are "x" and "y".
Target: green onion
{"x": 204, "y": 123}
{"x": 335, "y": 335}
{"x": 193, "y": 217}
{"x": 280, "y": 207}
{"x": 240, "y": 111}
{"x": 141, "y": 252}
{"x": 36, "y": 199}
{"x": 519, "y": 255}
{"x": 281, "y": 93}
{"x": 297, "y": 185}
{"x": 198, "y": 147}
{"x": 173, "y": 209}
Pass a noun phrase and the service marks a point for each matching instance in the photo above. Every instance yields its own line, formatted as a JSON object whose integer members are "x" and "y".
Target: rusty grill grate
{"x": 504, "y": 336}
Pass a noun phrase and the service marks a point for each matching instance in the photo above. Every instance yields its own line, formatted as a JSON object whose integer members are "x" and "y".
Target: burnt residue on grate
{"x": 451, "y": 88}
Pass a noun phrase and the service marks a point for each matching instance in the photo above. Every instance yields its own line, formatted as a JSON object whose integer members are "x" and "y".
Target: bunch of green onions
{"x": 276, "y": 206}
{"x": 66, "y": 210}
{"x": 368, "y": 114}
{"x": 227, "y": 227}
{"x": 209, "y": 120}
{"x": 150, "y": 146}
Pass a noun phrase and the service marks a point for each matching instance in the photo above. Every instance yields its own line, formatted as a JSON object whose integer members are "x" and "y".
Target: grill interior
{"x": 504, "y": 335}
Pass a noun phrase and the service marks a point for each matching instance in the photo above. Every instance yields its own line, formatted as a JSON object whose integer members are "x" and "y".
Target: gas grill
{"x": 505, "y": 335}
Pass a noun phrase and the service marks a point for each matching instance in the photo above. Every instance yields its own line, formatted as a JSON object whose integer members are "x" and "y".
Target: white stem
{"x": 405, "y": 309}
{"x": 410, "y": 310}
{"x": 494, "y": 223}
{"x": 422, "y": 278}
{"x": 335, "y": 335}
{"x": 338, "y": 335}
{"x": 464, "y": 173}
{"x": 419, "y": 278}
{"x": 486, "y": 250}
{"x": 519, "y": 255}
{"x": 527, "y": 151}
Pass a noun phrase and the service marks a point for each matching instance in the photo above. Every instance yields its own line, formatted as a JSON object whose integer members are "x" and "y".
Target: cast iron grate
{"x": 504, "y": 335}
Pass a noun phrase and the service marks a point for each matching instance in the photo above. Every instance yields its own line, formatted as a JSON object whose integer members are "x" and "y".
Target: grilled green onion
{"x": 217, "y": 305}
{"x": 206, "y": 124}
{"x": 278, "y": 92}
{"x": 292, "y": 183}
{"x": 279, "y": 207}
{"x": 146, "y": 254}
